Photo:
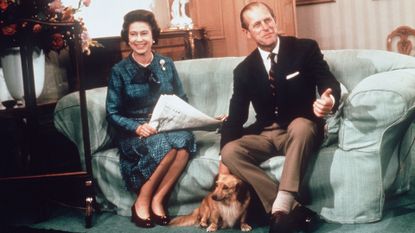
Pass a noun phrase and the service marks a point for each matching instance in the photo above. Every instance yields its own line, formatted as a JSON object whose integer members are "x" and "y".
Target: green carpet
{"x": 399, "y": 217}
{"x": 25, "y": 229}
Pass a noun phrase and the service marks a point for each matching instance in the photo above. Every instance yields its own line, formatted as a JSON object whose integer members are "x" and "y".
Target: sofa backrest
{"x": 208, "y": 82}
{"x": 350, "y": 66}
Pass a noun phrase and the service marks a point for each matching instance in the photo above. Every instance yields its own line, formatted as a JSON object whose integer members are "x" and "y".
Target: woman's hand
{"x": 222, "y": 117}
{"x": 145, "y": 130}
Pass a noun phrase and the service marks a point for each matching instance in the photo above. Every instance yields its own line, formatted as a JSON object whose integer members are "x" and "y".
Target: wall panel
{"x": 348, "y": 24}
{"x": 221, "y": 20}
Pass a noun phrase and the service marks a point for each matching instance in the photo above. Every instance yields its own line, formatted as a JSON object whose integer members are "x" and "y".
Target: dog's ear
{"x": 214, "y": 182}
{"x": 242, "y": 191}
{"x": 216, "y": 178}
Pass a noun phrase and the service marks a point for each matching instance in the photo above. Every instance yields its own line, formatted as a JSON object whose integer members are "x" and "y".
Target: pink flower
{"x": 3, "y": 5}
{"x": 9, "y": 30}
{"x": 56, "y": 6}
{"x": 68, "y": 14}
{"x": 86, "y": 2}
{"x": 37, "y": 28}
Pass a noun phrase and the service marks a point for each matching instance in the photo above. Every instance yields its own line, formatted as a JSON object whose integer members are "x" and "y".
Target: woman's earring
{"x": 154, "y": 41}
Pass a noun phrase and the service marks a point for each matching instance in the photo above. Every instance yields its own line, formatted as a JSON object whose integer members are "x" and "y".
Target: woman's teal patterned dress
{"x": 133, "y": 91}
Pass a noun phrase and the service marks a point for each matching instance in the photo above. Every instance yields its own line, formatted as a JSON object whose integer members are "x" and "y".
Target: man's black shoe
{"x": 305, "y": 219}
{"x": 281, "y": 222}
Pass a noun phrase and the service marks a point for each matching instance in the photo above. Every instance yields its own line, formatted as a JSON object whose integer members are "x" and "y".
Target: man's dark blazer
{"x": 294, "y": 96}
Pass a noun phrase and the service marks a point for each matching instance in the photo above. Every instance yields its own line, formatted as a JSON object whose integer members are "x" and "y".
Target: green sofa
{"x": 365, "y": 158}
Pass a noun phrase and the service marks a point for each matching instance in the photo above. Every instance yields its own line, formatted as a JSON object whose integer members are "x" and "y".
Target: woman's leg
{"x": 168, "y": 181}
{"x": 144, "y": 196}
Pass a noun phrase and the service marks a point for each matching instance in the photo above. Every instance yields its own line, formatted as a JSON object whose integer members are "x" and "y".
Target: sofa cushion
{"x": 344, "y": 186}
{"x": 192, "y": 186}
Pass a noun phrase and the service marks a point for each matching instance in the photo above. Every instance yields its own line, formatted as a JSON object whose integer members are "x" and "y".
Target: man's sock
{"x": 284, "y": 202}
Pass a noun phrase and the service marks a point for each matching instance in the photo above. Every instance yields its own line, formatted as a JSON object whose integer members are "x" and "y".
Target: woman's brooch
{"x": 162, "y": 62}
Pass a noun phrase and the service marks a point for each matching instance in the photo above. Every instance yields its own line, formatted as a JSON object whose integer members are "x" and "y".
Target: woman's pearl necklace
{"x": 143, "y": 64}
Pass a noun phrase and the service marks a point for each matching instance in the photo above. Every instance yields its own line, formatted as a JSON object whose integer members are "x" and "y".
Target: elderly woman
{"x": 150, "y": 162}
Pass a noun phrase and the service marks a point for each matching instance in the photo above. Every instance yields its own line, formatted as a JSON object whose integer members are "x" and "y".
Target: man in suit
{"x": 280, "y": 78}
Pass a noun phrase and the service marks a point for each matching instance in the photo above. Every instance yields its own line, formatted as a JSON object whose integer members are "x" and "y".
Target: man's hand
{"x": 322, "y": 107}
{"x": 222, "y": 117}
{"x": 145, "y": 130}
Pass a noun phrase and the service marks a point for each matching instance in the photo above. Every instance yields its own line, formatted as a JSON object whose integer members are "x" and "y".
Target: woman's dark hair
{"x": 140, "y": 16}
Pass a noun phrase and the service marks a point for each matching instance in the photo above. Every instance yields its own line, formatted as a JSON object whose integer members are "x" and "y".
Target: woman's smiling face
{"x": 140, "y": 37}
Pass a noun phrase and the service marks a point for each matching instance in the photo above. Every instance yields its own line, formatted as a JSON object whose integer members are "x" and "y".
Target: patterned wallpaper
{"x": 348, "y": 24}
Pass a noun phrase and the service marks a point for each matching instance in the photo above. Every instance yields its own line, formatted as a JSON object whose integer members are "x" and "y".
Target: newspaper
{"x": 173, "y": 113}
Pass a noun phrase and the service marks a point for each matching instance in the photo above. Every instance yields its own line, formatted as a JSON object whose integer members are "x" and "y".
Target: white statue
{"x": 178, "y": 13}
{"x": 187, "y": 21}
{"x": 175, "y": 14}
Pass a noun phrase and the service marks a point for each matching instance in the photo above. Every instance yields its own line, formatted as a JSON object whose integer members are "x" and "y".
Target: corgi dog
{"x": 222, "y": 208}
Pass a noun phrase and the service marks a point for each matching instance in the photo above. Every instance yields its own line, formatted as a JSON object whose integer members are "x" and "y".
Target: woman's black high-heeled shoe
{"x": 160, "y": 220}
{"x": 144, "y": 223}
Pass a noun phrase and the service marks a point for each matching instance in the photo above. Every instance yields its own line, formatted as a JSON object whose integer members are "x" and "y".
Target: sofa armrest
{"x": 378, "y": 102}
{"x": 67, "y": 120}
{"x": 378, "y": 117}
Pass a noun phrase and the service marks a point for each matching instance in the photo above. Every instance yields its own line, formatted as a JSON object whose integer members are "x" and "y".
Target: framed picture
{"x": 307, "y": 2}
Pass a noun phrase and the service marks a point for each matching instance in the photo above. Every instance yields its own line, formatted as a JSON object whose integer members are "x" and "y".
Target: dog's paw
{"x": 245, "y": 227}
{"x": 203, "y": 224}
{"x": 212, "y": 228}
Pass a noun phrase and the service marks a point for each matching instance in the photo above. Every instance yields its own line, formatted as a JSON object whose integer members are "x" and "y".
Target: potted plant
{"x": 36, "y": 23}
